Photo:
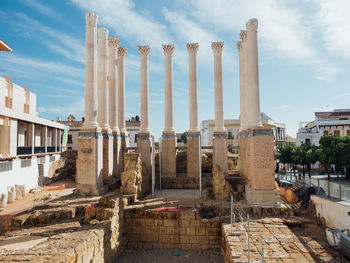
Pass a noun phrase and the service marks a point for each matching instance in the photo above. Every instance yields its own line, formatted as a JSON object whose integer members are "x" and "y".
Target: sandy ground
{"x": 168, "y": 256}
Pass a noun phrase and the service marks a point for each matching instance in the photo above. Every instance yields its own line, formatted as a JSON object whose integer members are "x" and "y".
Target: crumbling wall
{"x": 131, "y": 178}
{"x": 171, "y": 229}
{"x": 222, "y": 189}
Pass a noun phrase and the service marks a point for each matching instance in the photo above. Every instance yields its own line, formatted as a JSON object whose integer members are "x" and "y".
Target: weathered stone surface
{"x": 222, "y": 189}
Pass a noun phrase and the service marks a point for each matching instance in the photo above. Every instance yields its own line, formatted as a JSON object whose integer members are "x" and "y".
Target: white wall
{"x": 13, "y": 137}
{"x": 335, "y": 213}
{"x": 27, "y": 175}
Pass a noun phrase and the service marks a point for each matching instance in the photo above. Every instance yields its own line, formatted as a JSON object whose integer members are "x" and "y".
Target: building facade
{"x": 28, "y": 143}
{"x": 330, "y": 122}
{"x": 133, "y": 127}
{"x": 233, "y": 125}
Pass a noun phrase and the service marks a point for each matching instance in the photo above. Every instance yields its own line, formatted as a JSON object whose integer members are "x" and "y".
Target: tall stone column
{"x": 220, "y": 134}
{"x": 144, "y": 138}
{"x": 252, "y": 66}
{"x": 241, "y": 46}
{"x": 113, "y": 43}
{"x": 168, "y": 136}
{"x": 90, "y": 143}
{"x": 256, "y": 143}
{"x": 122, "y": 51}
{"x": 193, "y": 142}
{"x": 103, "y": 104}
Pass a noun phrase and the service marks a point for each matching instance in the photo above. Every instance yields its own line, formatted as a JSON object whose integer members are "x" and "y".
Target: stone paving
{"x": 280, "y": 244}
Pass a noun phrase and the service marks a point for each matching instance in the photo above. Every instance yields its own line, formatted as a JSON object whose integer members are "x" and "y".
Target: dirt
{"x": 169, "y": 256}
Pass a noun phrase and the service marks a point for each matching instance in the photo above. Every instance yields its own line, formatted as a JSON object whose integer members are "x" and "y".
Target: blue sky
{"x": 304, "y": 53}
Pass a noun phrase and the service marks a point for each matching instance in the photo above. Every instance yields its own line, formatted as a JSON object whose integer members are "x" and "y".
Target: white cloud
{"x": 45, "y": 10}
{"x": 332, "y": 20}
{"x": 58, "y": 42}
{"x": 122, "y": 17}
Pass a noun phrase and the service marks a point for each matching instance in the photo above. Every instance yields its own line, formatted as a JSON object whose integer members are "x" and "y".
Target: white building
{"x": 133, "y": 127}
{"x": 330, "y": 122}
{"x": 232, "y": 127}
{"x": 28, "y": 143}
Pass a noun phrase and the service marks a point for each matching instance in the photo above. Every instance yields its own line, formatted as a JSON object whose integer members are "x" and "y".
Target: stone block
{"x": 220, "y": 151}
{"x": 200, "y": 231}
{"x": 168, "y": 155}
{"x": 199, "y": 240}
{"x": 107, "y": 158}
{"x": 170, "y": 222}
{"x": 184, "y": 239}
{"x": 193, "y": 156}
{"x": 144, "y": 148}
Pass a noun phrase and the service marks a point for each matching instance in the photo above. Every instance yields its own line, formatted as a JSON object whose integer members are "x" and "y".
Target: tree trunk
{"x": 303, "y": 170}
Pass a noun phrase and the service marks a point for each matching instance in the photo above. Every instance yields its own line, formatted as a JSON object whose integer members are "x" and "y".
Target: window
{"x": 69, "y": 148}
{"x": 136, "y": 135}
{"x": 307, "y": 141}
{"x": 336, "y": 132}
{"x": 70, "y": 138}
{"x": 325, "y": 132}
{"x": 348, "y": 132}
{"x": 230, "y": 134}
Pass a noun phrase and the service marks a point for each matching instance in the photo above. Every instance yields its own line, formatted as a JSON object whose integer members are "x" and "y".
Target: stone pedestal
{"x": 116, "y": 153}
{"x": 193, "y": 145}
{"x": 220, "y": 151}
{"x": 168, "y": 154}
{"x": 124, "y": 142}
{"x": 90, "y": 162}
{"x": 256, "y": 165}
{"x": 144, "y": 144}
{"x": 107, "y": 157}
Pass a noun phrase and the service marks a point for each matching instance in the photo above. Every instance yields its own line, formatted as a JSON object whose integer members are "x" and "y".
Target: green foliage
{"x": 184, "y": 137}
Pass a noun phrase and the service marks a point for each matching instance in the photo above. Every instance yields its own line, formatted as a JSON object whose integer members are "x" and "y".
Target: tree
{"x": 327, "y": 152}
{"x": 344, "y": 149}
{"x": 137, "y": 118}
{"x": 71, "y": 117}
{"x": 311, "y": 157}
{"x": 184, "y": 137}
{"x": 285, "y": 151}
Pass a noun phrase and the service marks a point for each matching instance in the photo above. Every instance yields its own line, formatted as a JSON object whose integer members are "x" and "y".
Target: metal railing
{"x": 21, "y": 150}
{"x": 51, "y": 149}
{"x": 331, "y": 189}
{"x": 39, "y": 149}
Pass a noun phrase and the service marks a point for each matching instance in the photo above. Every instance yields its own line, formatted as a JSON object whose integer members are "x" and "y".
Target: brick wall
{"x": 168, "y": 229}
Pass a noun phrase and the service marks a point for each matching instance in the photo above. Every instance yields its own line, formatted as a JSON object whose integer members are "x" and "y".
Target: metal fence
{"x": 326, "y": 187}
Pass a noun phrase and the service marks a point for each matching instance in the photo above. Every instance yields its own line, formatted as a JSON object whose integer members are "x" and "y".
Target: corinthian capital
{"x": 122, "y": 51}
{"x": 192, "y": 47}
{"x": 239, "y": 46}
{"x": 243, "y": 35}
{"x": 113, "y": 42}
{"x": 102, "y": 33}
{"x": 91, "y": 19}
{"x": 168, "y": 49}
{"x": 144, "y": 50}
{"x": 252, "y": 24}
{"x": 217, "y": 46}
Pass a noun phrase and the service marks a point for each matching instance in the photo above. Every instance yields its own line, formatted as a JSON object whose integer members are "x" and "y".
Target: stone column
{"x": 252, "y": 67}
{"x": 91, "y": 71}
{"x": 256, "y": 143}
{"x": 168, "y": 136}
{"x": 113, "y": 43}
{"x": 193, "y": 142}
{"x": 103, "y": 101}
{"x": 220, "y": 134}
{"x": 90, "y": 141}
{"x": 144, "y": 138}
{"x": 122, "y": 51}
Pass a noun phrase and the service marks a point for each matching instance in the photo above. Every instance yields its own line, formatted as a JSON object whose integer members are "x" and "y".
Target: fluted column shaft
{"x": 218, "y": 89}
{"x": 91, "y": 71}
{"x": 168, "y": 92}
{"x": 252, "y": 67}
{"x": 144, "y": 88}
{"x": 122, "y": 51}
{"x": 113, "y": 43}
{"x": 192, "y": 71}
{"x": 103, "y": 120}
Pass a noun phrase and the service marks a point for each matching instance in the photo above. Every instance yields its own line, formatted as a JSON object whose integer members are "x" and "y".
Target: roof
{"x": 4, "y": 46}
{"x": 336, "y": 114}
{"x": 72, "y": 124}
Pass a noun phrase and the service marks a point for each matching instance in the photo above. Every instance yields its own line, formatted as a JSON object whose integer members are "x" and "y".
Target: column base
{"x": 116, "y": 153}
{"x": 107, "y": 157}
{"x": 193, "y": 145}
{"x": 263, "y": 196}
{"x": 220, "y": 151}
{"x": 169, "y": 154}
{"x": 89, "y": 163}
{"x": 124, "y": 143}
{"x": 144, "y": 145}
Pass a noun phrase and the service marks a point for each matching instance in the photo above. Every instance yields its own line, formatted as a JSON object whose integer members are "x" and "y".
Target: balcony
{"x": 39, "y": 149}
{"x": 22, "y": 150}
{"x": 51, "y": 149}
